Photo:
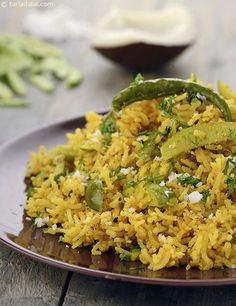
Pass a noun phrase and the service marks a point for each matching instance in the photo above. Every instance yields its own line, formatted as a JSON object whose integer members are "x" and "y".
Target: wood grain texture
{"x": 22, "y": 280}
{"x": 91, "y": 291}
{"x": 26, "y": 282}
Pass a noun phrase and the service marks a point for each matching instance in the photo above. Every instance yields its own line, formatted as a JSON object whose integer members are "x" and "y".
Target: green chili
{"x": 197, "y": 136}
{"x": 146, "y": 90}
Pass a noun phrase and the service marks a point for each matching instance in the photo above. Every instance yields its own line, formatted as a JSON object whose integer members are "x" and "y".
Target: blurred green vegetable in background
{"x": 26, "y": 59}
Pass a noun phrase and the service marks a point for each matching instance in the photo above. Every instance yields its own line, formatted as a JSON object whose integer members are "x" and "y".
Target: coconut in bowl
{"x": 144, "y": 40}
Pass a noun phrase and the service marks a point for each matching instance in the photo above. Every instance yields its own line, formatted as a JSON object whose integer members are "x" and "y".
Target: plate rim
{"x": 90, "y": 271}
{"x": 116, "y": 276}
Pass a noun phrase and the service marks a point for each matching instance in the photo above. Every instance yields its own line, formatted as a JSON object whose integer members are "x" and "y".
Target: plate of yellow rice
{"x": 145, "y": 192}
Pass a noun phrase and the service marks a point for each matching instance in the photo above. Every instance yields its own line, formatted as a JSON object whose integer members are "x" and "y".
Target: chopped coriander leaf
{"x": 186, "y": 179}
{"x": 115, "y": 171}
{"x": 61, "y": 239}
{"x": 231, "y": 182}
{"x": 81, "y": 162}
{"x": 234, "y": 238}
{"x": 64, "y": 173}
{"x": 38, "y": 214}
{"x": 193, "y": 77}
{"x": 205, "y": 194}
{"x": 107, "y": 127}
{"x": 30, "y": 191}
{"x": 167, "y": 106}
{"x": 135, "y": 248}
{"x": 230, "y": 164}
{"x": 108, "y": 124}
{"x": 132, "y": 184}
{"x": 153, "y": 179}
{"x": 121, "y": 177}
{"x": 137, "y": 80}
{"x": 145, "y": 132}
{"x": 125, "y": 257}
{"x": 167, "y": 130}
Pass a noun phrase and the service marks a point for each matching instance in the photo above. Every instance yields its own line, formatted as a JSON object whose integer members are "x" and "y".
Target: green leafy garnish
{"x": 115, "y": 171}
{"x": 61, "y": 239}
{"x": 125, "y": 257}
{"x": 121, "y": 177}
{"x": 38, "y": 214}
{"x": 129, "y": 255}
{"x": 132, "y": 184}
{"x": 231, "y": 182}
{"x": 205, "y": 194}
{"x": 187, "y": 179}
{"x": 153, "y": 179}
{"x": 234, "y": 238}
{"x": 30, "y": 191}
{"x": 108, "y": 124}
{"x": 63, "y": 173}
{"x": 229, "y": 166}
{"x": 137, "y": 80}
{"x": 167, "y": 106}
{"x": 107, "y": 127}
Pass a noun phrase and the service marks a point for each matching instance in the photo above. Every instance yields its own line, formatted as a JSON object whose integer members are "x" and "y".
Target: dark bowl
{"x": 141, "y": 56}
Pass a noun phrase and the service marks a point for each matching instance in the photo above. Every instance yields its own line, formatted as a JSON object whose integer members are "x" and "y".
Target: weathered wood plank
{"x": 91, "y": 291}
{"x": 26, "y": 282}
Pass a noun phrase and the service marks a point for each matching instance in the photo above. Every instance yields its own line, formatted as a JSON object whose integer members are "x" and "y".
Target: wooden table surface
{"x": 26, "y": 282}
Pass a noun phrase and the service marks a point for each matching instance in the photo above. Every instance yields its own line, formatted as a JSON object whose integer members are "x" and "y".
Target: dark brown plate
{"x": 18, "y": 233}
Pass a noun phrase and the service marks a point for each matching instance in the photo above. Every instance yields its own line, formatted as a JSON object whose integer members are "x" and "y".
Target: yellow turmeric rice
{"x": 114, "y": 190}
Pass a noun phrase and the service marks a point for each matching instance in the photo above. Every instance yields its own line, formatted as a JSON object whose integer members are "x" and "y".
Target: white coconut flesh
{"x": 170, "y": 26}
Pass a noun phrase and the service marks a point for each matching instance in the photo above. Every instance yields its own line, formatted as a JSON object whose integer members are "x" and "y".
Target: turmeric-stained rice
{"x": 112, "y": 189}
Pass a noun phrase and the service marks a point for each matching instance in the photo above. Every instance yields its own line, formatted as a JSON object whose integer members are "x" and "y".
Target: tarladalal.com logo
{"x": 13, "y": 4}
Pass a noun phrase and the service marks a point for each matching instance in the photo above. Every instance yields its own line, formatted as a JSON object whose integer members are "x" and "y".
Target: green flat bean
{"x": 94, "y": 195}
{"x": 16, "y": 83}
{"x": 74, "y": 78}
{"x": 13, "y": 103}
{"x": 5, "y": 91}
{"x": 198, "y": 136}
{"x": 146, "y": 90}
{"x": 42, "y": 82}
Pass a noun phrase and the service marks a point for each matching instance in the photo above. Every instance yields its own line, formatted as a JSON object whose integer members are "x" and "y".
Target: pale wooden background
{"x": 25, "y": 282}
